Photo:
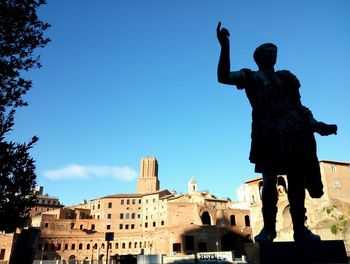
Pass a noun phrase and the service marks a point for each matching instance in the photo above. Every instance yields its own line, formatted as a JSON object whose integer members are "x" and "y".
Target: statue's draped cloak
{"x": 282, "y": 138}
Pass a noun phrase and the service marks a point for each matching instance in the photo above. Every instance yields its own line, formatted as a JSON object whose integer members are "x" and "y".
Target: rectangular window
{"x": 138, "y": 216}
{"x": 133, "y": 216}
{"x": 120, "y": 226}
{"x": 334, "y": 168}
{"x": 108, "y": 227}
{"x": 47, "y": 225}
{"x": 109, "y": 205}
{"x": 128, "y": 201}
{"x": 2, "y": 254}
{"x": 92, "y": 227}
{"x": 81, "y": 227}
{"x": 189, "y": 242}
{"x": 146, "y": 224}
{"x": 177, "y": 247}
{"x": 132, "y": 226}
{"x": 162, "y": 223}
{"x": 93, "y": 207}
{"x": 121, "y": 216}
{"x": 98, "y": 206}
{"x": 109, "y": 216}
{"x": 154, "y": 224}
{"x": 121, "y": 201}
{"x": 140, "y": 201}
{"x": 126, "y": 226}
{"x": 336, "y": 183}
{"x": 133, "y": 201}
{"x": 127, "y": 216}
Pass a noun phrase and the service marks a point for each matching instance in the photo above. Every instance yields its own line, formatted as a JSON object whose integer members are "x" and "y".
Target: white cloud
{"x": 75, "y": 171}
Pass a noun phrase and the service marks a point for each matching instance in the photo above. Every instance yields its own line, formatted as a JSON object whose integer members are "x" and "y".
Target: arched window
{"x": 206, "y": 218}
{"x": 130, "y": 244}
{"x": 65, "y": 246}
{"x": 116, "y": 245}
{"x": 95, "y": 246}
{"x": 73, "y": 247}
{"x": 80, "y": 246}
{"x": 233, "y": 220}
{"x": 135, "y": 245}
{"x": 103, "y": 246}
{"x": 260, "y": 188}
{"x": 87, "y": 246}
{"x": 123, "y": 245}
{"x": 282, "y": 185}
{"x": 247, "y": 220}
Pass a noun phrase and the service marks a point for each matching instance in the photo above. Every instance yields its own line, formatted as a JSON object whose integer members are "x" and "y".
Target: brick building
{"x": 44, "y": 202}
{"x": 150, "y": 221}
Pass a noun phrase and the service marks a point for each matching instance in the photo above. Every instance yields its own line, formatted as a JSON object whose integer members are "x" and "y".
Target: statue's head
{"x": 265, "y": 55}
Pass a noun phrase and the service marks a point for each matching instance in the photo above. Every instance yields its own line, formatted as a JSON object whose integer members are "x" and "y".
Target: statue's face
{"x": 269, "y": 56}
{"x": 266, "y": 56}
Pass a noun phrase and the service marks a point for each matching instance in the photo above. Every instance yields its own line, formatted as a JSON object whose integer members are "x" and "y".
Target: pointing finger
{"x": 218, "y": 27}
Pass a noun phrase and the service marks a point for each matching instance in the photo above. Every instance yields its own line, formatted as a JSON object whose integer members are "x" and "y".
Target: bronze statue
{"x": 283, "y": 142}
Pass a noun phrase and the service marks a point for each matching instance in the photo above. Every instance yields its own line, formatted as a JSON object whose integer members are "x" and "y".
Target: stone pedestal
{"x": 332, "y": 251}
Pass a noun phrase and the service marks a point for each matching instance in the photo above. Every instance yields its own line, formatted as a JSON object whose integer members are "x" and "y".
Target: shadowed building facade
{"x": 327, "y": 216}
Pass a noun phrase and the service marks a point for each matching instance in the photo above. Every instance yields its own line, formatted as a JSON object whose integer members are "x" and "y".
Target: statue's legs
{"x": 269, "y": 210}
{"x": 296, "y": 197}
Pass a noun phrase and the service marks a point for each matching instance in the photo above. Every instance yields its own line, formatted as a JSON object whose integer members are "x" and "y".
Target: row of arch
{"x": 206, "y": 219}
{"x": 281, "y": 182}
{"x": 73, "y": 259}
{"x": 88, "y": 246}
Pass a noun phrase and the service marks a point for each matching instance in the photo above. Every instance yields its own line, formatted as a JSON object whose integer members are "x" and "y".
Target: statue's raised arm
{"x": 224, "y": 73}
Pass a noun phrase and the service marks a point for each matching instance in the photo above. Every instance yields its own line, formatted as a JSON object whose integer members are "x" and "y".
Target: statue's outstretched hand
{"x": 326, "y": 129}
{"x": 223, "y": 35}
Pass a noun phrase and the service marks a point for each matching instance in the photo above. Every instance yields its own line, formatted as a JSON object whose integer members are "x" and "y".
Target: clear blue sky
{"x": 126, "y": 79}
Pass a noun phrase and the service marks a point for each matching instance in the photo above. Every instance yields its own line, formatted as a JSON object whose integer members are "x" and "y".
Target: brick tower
{"x": 148, "y": 179}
